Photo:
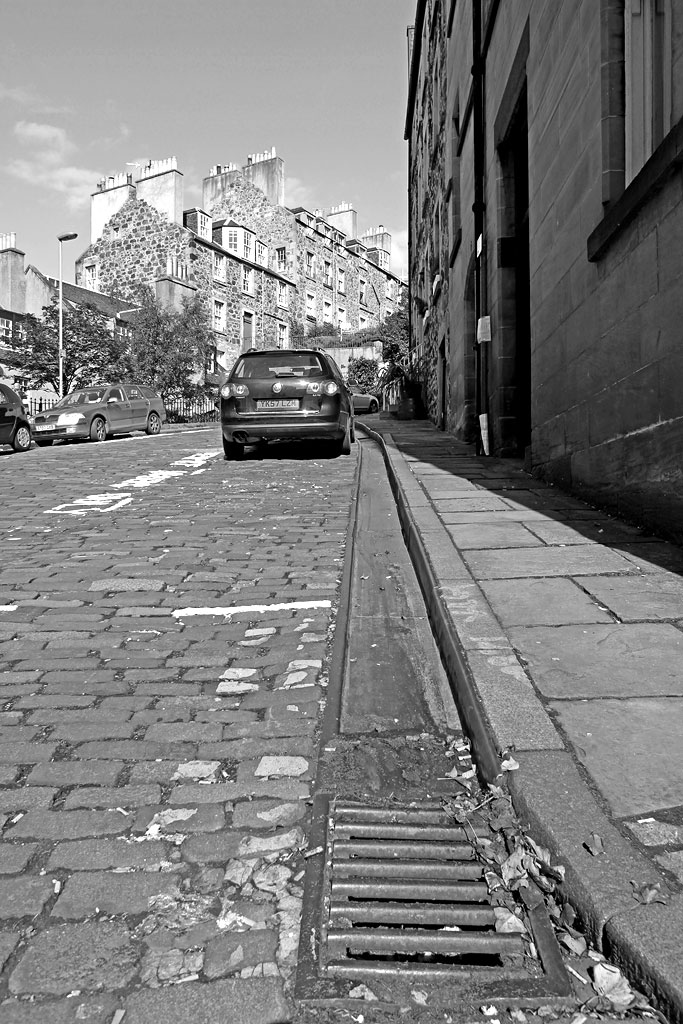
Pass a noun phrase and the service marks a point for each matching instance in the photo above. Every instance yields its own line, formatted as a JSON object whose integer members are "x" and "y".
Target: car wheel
{"x": 232, "y": 451}
{"x": 98, "y": 429}
{"x": 44, "y": 444}
{"x": 153, "y": 424}
{"x": 374, "y": 406}
{"x": 341, "y": 446}
{"x": 22, "y": 439}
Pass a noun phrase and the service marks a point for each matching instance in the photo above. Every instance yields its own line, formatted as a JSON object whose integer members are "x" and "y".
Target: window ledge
{"x": 664, "y": 161}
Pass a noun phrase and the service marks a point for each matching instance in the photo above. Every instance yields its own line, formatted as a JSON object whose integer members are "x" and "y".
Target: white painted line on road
{"x": 8, "y": 607}
{"x": 157, "y": 476}
{"x": 198, "y": 459}
{"x": 92, "y": 503}
{"x": 259, "y": 609}
{"x": 109, "y": 502}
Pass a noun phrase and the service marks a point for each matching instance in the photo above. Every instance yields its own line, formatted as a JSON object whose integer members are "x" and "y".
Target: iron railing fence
{"x": 192, "y": 410}
{"x": 178, "y": 410}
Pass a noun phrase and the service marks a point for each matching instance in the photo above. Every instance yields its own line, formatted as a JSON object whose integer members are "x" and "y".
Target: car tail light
{"x": 313, "y": 387}
{"x": 234, "y": 391}
{"x": 330, "y": 387}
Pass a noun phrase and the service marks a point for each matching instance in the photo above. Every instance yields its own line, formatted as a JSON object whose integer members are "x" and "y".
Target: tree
{"x": 394, "y": 333}
{"x": 93, "y": 353}
{"x": 168, "y": 349}
{"x": 364, "y": 372}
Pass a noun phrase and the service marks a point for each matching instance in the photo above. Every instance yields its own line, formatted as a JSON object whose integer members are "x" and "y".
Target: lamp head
{"x": 68, "y": 237}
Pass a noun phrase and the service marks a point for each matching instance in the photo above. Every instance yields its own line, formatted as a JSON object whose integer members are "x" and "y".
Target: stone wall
{"x": 277, "y": 226}
{"x": 134, "y": 250}
{"x": 605, "y": 298}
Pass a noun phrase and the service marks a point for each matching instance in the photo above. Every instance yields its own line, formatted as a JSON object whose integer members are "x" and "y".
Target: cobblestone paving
{"x": 165, "y": 620}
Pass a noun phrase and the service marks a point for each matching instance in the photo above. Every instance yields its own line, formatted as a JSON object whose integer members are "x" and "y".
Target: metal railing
{"x": 178, "y": 410}
{"x": 192, "y": 410}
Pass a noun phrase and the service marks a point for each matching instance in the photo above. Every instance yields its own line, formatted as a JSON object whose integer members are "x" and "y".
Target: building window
{"x": 247, "y": 330}
{"x": 218, "y": 315}
{"x": 310, "y": 305}
{"x": 5, "y": 329}
{"x": 309, "y": 264}
{"x": 648, "y": 74}
{"x": 327, "y": 312}
{"x": 282, "y": 335}
{"x": 327, "y": 279}
{"x": 363, "y": 323}
{"x": 341, "y": 317}
{"x": 281, "y": 255}
{"x": 388, "y": 289}
{"x": 248, "y": 280}
{"x": 212, "y": 359}
{"x": 362, "y": 291}
{"x": 219, "y": 266}
{"x": 248, "y": 242}
{"x": 90, "y": 276}
{"x": 204, "y": 225}
{"x": 231, "y": 240}
{"x": 341, "y": 280}
{"x": 262, "y": 254}
{"x": 282, "y": 294}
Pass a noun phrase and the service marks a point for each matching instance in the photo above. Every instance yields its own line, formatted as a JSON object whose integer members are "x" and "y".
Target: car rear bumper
{"x": 249, "y": 429}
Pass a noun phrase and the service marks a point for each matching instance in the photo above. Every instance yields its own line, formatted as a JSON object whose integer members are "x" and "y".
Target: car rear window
{"x": 279, "y": 364}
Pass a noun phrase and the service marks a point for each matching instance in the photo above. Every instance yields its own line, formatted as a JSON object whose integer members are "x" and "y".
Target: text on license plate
{"x": 45, "y": 426}
{"x": 277, "y": 403}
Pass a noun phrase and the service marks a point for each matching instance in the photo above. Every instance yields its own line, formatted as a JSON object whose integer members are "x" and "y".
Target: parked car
{"x": 99, "y": 412}
{"x": 15, "y": 426}
{"x": 363, "y": 402}
{"x": 285, "y": 394}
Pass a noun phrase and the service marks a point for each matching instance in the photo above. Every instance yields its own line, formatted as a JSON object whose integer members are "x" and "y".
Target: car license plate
{"x": 277, "y": 403}
{"x": 39, "y": 427}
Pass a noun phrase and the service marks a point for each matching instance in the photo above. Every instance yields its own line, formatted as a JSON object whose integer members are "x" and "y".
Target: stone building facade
{"x": 265, "y": 274}
{"x": 546, "y": 219}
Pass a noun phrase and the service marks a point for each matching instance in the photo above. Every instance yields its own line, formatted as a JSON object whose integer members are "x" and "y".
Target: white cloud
{"x": 53, "y": 142}
{"x": 298, "y": 193}
{"x": 45, "y": 163}
{"x": 27, "y": 98}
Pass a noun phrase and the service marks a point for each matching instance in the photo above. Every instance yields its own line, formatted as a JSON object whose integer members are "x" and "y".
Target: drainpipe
{"x": 479, "y": 209}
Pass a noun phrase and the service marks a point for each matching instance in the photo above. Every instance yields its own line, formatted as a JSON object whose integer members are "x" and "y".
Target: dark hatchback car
{"x": 15, "y": 427}
{"x": 100, "y": 411}
{"x": 284, "y": 395}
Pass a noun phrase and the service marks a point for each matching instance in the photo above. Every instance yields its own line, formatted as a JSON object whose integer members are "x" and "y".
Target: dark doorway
{"x": 513, "y": 259}
{"x": 443, "y": 386}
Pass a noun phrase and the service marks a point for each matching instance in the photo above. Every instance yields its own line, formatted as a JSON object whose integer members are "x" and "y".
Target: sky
{"x": 89, "y": 86}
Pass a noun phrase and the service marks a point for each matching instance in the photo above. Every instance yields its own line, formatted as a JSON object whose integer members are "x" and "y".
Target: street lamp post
{"x": 60, "y": 353}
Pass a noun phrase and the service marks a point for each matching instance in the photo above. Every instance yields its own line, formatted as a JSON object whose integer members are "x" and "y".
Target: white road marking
{"x": 92, "y": 503}
{"x": 109, "y": 502}
{"x": 8, "y": 607}
{"x": 259, "y": 609}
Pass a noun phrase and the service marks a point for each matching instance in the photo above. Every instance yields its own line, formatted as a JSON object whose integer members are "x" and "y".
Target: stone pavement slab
{"x": 616, "y": 660}
{"x": 627, "y": 746}
{"x": 568, "y": 650}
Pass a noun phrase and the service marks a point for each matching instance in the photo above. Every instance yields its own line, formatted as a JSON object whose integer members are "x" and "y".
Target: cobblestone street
{"x": 165, "y": 619}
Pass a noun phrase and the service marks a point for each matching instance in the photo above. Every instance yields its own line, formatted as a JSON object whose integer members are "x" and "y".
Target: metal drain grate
{"x": 403, "y": 897}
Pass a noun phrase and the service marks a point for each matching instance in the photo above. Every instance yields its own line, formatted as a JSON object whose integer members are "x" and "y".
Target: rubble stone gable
{"x": 134, "y": 249}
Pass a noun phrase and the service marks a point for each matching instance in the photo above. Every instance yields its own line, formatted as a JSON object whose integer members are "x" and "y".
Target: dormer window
{"x": 204, "y": 225}
{"x": 248, "y": 244}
